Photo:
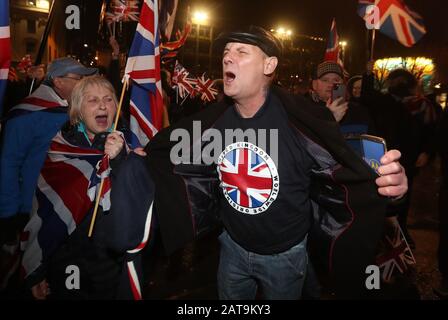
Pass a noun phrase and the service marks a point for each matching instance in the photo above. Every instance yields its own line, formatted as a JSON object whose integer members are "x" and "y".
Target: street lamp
{"x": 199, "y": 18}
{"x": 283, "y": 34}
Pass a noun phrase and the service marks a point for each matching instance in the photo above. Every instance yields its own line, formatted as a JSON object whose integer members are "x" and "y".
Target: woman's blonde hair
{"x": 78, "y": 95}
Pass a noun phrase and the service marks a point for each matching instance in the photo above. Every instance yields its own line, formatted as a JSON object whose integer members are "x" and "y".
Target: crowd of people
{"x": 307, "y": 209}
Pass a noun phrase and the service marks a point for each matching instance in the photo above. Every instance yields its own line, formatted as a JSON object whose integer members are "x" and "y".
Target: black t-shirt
{"x": 265, "y": 179}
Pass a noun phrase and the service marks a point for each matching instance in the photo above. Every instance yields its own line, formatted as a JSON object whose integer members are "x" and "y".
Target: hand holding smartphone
{"x": 339, "y": 90}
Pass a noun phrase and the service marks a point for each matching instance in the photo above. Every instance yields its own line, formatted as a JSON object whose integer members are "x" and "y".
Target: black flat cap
{"x": 253, "y": 35}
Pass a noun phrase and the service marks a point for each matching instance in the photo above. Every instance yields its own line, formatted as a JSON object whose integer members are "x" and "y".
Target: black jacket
{"x": 348, "y": 211}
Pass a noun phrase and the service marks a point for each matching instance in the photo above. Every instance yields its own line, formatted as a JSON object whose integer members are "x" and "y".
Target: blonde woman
{"x": 60, "y": 260}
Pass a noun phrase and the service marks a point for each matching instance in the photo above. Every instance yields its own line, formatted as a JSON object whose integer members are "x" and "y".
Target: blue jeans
{"x": 279, "y": 276}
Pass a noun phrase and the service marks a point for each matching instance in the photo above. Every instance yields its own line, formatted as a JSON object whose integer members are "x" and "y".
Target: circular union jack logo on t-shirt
{"x": 249, "y": 177}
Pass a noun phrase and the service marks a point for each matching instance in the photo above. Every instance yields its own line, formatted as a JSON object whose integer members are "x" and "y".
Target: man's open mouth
{"x": 229, "y": 76}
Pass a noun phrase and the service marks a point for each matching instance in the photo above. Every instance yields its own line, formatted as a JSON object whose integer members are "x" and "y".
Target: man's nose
{"x": 227, "y": 58}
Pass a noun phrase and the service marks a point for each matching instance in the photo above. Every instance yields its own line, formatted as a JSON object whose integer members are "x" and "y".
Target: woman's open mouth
{"x": 101, "y": 120}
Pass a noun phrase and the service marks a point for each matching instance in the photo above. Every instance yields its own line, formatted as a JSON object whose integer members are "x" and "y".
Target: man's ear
{"x": 270, "y": 63}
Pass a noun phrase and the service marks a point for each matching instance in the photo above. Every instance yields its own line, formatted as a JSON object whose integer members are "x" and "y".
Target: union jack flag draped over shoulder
{"x": 143, "y": 68}
{"x": 65, "y": 194}
{"x": 396, "y": 20}
{"x": 5, "y": 48}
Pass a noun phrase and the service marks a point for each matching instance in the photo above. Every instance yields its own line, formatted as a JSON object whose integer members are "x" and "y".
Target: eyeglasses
{"x": 73, "y": 78}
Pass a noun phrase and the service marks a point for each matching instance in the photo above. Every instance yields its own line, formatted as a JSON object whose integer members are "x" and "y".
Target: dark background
{"x": 303, "y": 17}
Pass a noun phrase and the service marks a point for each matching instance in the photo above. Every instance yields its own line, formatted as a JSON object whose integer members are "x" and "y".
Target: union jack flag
{"x": 332, "y": 51}
{"x": 5, "y": 48}
{"x": 396, "y": 20}
{"x": 184, "y": 82}
{"x": 396, "y": 254}
{"x": 246, "y": 178}
{"x": 123, "y": 10}
{"x": 168, "y": 9}
{"x": 205, "y": 88}
{"x": 143, "y": 67}
{"x": 65, "y": 193}
{"x": 43, "y": 99}
{"x": 169, "y": 49}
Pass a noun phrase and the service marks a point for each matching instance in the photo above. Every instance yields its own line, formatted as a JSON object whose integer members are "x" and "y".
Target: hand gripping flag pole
{"x": 100, "y": 190}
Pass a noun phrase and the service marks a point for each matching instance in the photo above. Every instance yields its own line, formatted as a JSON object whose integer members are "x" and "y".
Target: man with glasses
{"x": 29, "y": 128}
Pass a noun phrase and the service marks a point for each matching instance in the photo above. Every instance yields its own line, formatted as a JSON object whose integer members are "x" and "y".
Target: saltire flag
{"x": 183, "y": 81}
{"x": 143, "y": 68}
{"x": 332, "y": 53}
{"x": 396, "y": 255}
{"x": 396, "y": 20}
{"x": 5, "y": 48}
{"x": 205, "y": 89}
{"x": 65, "y": 194}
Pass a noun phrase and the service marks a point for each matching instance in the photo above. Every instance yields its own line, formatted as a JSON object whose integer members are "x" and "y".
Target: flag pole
{"x": 43, "y": 41}
{"x": 372, "y": 46}
{"x": 117, "y": 116}
{"x": 31, "y": 87}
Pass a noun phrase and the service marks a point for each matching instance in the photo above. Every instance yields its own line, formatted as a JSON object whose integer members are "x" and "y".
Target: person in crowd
{"x": 354, "y": 85}
{"x": 353, "y": 117}
{"x": 86, "y": 148}
{"x": 28, "y": 131}
{"x": 267, "y": 206}
{"x": 407, "y": 121}
{"x": 326, "y": 76}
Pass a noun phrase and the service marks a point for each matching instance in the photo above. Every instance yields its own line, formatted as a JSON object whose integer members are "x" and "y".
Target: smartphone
{"x": 369, "y": 148}
{"x": 339, "y": 90}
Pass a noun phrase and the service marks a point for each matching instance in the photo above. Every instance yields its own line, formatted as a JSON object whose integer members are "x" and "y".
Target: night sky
{"x": 313, "y": 17}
